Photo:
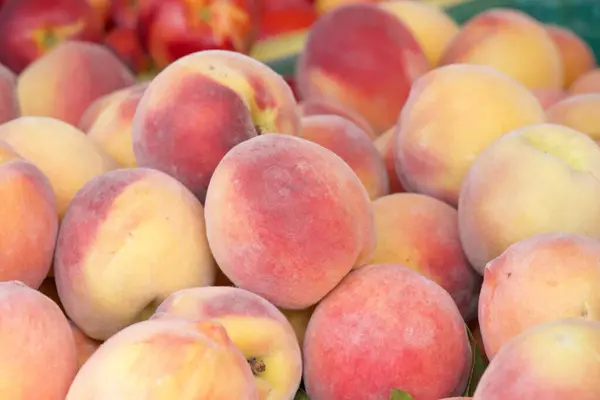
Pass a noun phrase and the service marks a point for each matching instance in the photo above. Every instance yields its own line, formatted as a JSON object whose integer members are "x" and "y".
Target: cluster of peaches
{"x": 429, "y": 204}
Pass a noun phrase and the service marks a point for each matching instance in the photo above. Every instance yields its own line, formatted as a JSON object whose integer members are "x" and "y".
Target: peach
{"x": 549, "y": 97}
{"x": 80, "y": 71}
{"x": 163, "y": 360}
{"x": 576, "y": 55}
{"x": 37, "y": 358}
{"x": 256, "y": 327}
{"x": 28, "y": 220}
{"x": 433, "y": 28}
{"x": 85, "y": 345}
{"x": 111, "y": 129}
{"x": 536, "y": 179}
{"x": 371, "y": 71}
{"x": 385, "y": 145}
{"x": 204, "y": 104}
{"x": 299, "y": 320}
{"x": 580, "y": 112}
{"x": 115, "y": 259}
{"x": 552, "y": 361}
{"x": 587, "y": 83}
{"x": 325, "y": 107}
{"x": 541, "y": 278}
{"x": 451, "y": 115}
{"x": 421, "y": 233}
{"x": 353, "y": 145}
{"x": 62, "y": 152}
{"x": 298, "y": 219}
{"x": 91, "y": 113}
{"x": 489, "y": 38}
{"x": 398, "y": 328}
{"x": 9, "y": 104}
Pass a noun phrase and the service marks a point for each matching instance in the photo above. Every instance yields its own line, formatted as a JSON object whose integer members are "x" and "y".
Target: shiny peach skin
{"x": 328, "y": 107}
{"x": 163, "y": 360}
{"x": 256, "y": 328}
{"x": 9, "y": 104}
{"x": 85, "y": 345}
{"x": 579, "y": 112}
{"x": 385, "y": 145}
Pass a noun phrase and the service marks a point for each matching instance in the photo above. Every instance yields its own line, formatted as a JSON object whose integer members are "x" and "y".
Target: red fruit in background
{"x": 171, "y": 29}
{"x": 29, "y": 28}
{"x": 125, "y": 13}
{"x": 101, "y": 8}
{"x": 282, "y": 16}
{"x": 126, "y": 45}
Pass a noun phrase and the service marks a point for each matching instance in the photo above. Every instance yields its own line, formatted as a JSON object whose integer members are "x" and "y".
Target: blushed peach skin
{"x": 433, "y": 28}
{"x": 375, "y": 63}
{"x": 400, "y": 329}
{"x": 65, "y": 81}
{"x": 452, "y": 114}
{"x": 489, "y": 38}
{"x": 163, "y": 360}
{"x": 549, "y": 97}
{"x": 421, "y": 233}
{"x": 552, "y": 361}
{"x": 353, "y": 145}
{"x": 204, "y": 104}
{"x": 385, "y": 145}
{"x": 328, "y": 107}
{"x": 9, "y": 104}
{"x": 28, "y": 220}
{"x": 542, "y": 278}
{"x": 587, "y": 83}
{"x": 84, "y": 345}
{"x": 300, "y": 219}
{"x": 536, "y": 179}
{"x": 256, "y": 327}
{"x": 114, "y": 260}
{"x": 37, "y": 360}
{"x": 62, "y": 152}
{"x": 581, "y": 112}
{"x": 576, "y": 55}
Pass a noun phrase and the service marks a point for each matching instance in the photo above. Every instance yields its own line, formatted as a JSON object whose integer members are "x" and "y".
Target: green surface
{"x": 582, "y": 16}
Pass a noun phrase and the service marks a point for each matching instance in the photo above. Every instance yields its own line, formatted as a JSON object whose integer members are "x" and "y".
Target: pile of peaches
{"x": 422, "y": 222}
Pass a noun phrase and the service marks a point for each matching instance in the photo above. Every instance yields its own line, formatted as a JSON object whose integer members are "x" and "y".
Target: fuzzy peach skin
{"x": 536, "y": 179}
{"x": 298, "y": 219}
{"x": 115, "y": 259}
{"x": 384, "y": 327}
{"x": 433, "y": 28}
{"x": 542, "y": 278}
{"x": 65, "y": 81}
{"x": 204, "y": 104}
{"x": 111, "y": 130}
{"x": 451, "y": 115}
{"x": 587, "y": 83}
{"x": 375, "y": 63}
{"x": 385, "y": 145}
{"x": 28, "y": 220}
{"x": 328, "y": 107}
{"x": 299, "y": 320}
{"x": 84, "y": 345}
{"x": 549, "y": 97}
{"x": 256, "y": 327}
{"x": 163, "y": 360}
{"x": 9, "y": 104}
{"x": 576, "y": 55}
{"x": 62, "y": 152}
{"x": 552, "y": 361}
{"x": 580, "y": 112}
{"x": 353, "y": 145}
{"x": 421, "y": 233}
{"x": 37, "y": 358}
{"x": 490, "y": 38}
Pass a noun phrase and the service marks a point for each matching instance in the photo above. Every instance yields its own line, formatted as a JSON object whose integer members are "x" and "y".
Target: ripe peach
{"x": 256, "y": 327}
{"x": 549, "y": 97}
{"x": 536, "y": 179}
{"x": 204, "y": 104}
{"x": 28, "y": 220}
{"x": 92, "y": 112}
{"x": 385, "y": 145}
{"x": 163, "y": 360}
{"x": 328, "y": 107}
{"x": 421, "y": 233}
{"x": 84, "y": 345}
{"x": 37, "y": 358}
{"x": 490, "y": 38}
{"x": 353, "y": 145}
{"x": 372, "y": 69}
{"x": 587, "y": 83}
{"x": 439, "y": 138}
{"x": 299, "y": 219}
{"x": 115, "y": 259}
{"x": 62, "y": 152}
{"x": 433, "y": 28}
{"x": 576, "y": 55}
{"x": 552, "y": 361}
{"x": 580, "y": 112}
{"x": 80, "y": 71}
{"x": 398, "y": 328}
{"x": 9, "y": 104}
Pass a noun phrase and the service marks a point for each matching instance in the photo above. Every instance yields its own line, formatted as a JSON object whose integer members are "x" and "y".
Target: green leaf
{"x": 301, "y": 395}
{"x": 398, "y": 394}
{"x": 478, "y": 366}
